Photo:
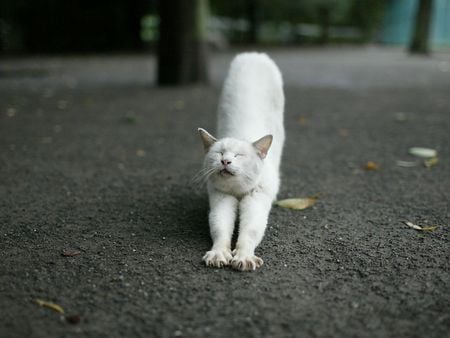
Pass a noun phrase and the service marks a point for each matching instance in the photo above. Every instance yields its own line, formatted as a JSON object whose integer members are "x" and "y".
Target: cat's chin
{"x": 226, "y": 173}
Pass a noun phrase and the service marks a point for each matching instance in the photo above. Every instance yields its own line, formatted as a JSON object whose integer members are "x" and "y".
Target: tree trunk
{"x": 136, "y": 10}
{"x": 182, "y": 43}
{"x": 253, "y": 20}
{"x": 420, "y": 40}
{"x": 324, "y": 22}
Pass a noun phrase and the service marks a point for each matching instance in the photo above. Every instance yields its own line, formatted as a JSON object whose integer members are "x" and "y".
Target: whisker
{"x": 201, "y": 173}
{"x": 208, "y": 175}
{"x": 202, "y": 176}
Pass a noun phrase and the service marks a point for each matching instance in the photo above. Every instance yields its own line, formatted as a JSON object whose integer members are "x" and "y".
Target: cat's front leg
{"x": 221, "y": 225}
{"x": 254, "y": 212}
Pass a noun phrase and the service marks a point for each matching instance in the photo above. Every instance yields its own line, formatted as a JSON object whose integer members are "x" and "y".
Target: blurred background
{"x": 44, "y": 26}
{"x": 191, "y": 28}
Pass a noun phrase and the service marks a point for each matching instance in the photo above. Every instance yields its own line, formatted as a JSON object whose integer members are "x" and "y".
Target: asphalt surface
{"x": 95, "y": 158}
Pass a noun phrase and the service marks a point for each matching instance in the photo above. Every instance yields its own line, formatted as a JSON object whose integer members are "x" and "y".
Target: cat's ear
{"x": 207, "y": 139}
{"x": 263, "y": 145}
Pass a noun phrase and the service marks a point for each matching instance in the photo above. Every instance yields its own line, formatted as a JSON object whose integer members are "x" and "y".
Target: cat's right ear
{"x": 263, "y": 145}
{"x": 207, "y": 139}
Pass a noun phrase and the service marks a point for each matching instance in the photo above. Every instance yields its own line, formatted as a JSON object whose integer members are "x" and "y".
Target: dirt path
{"x": 94, "y": 158}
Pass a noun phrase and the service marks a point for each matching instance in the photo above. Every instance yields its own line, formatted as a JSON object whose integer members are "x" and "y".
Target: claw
{"x": 217, "y": 258}
{"x": 246, "y": 263}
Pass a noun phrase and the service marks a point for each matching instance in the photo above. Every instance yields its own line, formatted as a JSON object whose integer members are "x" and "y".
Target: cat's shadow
{"x": 178, "y": 215}
{"x": 192, "y": 217}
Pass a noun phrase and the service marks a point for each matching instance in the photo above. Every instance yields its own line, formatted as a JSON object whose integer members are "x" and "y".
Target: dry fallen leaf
{"x": 423, "y": 152}
{"x": 50, "y": 305}
{"x": 343, "y": 132}
{"x": 370, "y": 165}
{"x": 431, "y": 162}
{"x": 70, "y": 253}
{"x": 412, "y": 225}
{"x": 179, "y": 104}
{"x": 420, "y": 228}
{"x": 302, "y": 120}
{"x": 140, "y": 153}
{"x": 297, "y": 203}
{"x": 11, "y": 112}
{"x": 407, "y": 164}
{"x": 400, "y": 117}
{"x": 430, "y": 228}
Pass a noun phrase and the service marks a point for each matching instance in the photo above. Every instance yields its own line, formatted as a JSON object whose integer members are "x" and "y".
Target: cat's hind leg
{"x": 222, "y": 216}
{"x": 254, "y": 212}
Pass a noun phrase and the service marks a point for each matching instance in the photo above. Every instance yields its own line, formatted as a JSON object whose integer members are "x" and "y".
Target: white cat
{"x": 242, "y": 172}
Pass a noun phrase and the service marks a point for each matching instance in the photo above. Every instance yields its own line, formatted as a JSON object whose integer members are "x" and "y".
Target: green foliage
{"x": 284, "y": 10}
{"x": 367, "y": 16}
{"x": 363, "y": 15}
{"x": 338, "y": 9}
{"x": 149, "y": 28}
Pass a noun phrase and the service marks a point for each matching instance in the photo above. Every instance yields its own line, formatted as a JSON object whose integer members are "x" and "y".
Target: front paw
{"x": 245, "y": 262}
{"x": 217, "y": 258}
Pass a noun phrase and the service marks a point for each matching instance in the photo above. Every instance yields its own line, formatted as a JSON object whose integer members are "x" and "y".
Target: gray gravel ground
{"x": 95, "y": 158}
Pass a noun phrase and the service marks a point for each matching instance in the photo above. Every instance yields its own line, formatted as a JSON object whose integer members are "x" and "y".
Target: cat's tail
{"x": 259, "y": 72}
{"x": 260, "y": 62}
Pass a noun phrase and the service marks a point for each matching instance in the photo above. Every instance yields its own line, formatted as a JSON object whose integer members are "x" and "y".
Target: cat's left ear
{"x": 263, "y": 145}
{"x": 207, "y": 139}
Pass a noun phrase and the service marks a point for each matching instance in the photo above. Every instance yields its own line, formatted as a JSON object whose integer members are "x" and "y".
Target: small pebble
{"x": 73, "y": 319}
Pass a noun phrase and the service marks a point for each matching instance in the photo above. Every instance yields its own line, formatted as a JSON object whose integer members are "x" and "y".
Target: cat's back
{"x": 252, "y": 101}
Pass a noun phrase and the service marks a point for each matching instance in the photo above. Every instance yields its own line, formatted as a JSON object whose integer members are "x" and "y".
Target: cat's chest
{"x": 233, "y": 187}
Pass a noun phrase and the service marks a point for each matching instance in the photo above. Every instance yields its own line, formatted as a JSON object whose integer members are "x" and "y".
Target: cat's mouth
{"x": 225, "y": 172}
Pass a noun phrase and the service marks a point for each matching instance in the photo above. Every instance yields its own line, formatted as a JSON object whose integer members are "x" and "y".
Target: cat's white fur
{"x": 249, "y": 145}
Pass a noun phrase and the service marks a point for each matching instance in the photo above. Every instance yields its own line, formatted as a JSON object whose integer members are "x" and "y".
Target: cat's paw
{"x": 243, "y": 262}
{"x": 217, "y": 258}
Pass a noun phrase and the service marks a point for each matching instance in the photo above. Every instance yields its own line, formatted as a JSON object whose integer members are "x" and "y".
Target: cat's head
{"x": 233, "y": 165}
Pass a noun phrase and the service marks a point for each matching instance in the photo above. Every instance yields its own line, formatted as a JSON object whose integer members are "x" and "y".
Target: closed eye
{"x": 239, "y": 155}
{"x": 219, "y": 152}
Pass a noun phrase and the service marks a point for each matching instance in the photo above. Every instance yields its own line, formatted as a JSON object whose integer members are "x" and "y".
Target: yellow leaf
{"x": 302, "y": 120}
{"x": 297, "y": 203}
{"x": 431, "y": 228}
{"x": 50, "y": 305}
{"x": 140, "y": 152}
{"x": 370, "y": 165}
{"x": 431, "y": 162}
{"x": 343, "y": 132}
{"x": 420, "y": 228}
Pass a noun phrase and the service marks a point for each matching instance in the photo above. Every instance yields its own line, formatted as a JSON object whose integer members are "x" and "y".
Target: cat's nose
{"x": 225, "y": 162}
